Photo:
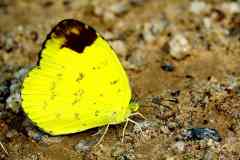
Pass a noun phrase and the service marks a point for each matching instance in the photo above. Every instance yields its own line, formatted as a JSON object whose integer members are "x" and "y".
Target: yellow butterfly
{"x": 78, "y": 82}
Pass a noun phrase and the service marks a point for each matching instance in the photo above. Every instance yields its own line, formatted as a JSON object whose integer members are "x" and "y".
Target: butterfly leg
{"x": 3, "y": 148}
{"x": 124, "y": 130}
{"x": 104, "y": 133}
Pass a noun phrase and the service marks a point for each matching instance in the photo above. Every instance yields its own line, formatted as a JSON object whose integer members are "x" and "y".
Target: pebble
{"x": 151, "y": 29}
{"x": 207, "y": 22}
{"x": 108, "y": 16}
{"x": 147, "y": 34}
{"x": 35, "y": 134}
{"x": 19, "y": 75}
{"x": 119, "y": 8}
{"x": 143, "y": 125}
{"x": 168, "y": 67}
{"x": 51, "y": 140}
{"x": 180, "y": 146}
{"x": 231, "y": 7}
{"x": 201, "y": 133}
{"x": 9, "y": 43}
{"x": 12, "y": 133}
{"x": 198, "y": 7}
{"x": 179, "y": 46}
{"x": 136, "y": 61}
{"x": 210, "y": 155}
{"x": 108, "y": 35}
{"x": 83, "y": 145}
{"x": 120, "y": 47}
{"x": 14, "y": 102}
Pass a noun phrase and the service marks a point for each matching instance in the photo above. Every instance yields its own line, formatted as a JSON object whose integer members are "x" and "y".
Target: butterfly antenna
{"x": 3, "y": 148}
{"x": 104, "y": 133}
{"x": 134, "y": 100}
{"x": 138, "y": 114}
{"x": 157, "y": 100}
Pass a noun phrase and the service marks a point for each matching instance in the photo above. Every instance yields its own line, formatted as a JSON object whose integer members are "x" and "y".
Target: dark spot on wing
{"x": 58, "y": 115}
{"x": 80, "y": 77}
{"x": 77, "y": 116}
{"x": 113, "y": 82}
{"x": 96, "y": 113}
{"x": 77, "y": 35}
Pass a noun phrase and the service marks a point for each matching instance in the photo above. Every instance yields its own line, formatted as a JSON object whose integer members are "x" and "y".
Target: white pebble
{"x": 151, "y": 29}
{"x": 135, "y": 61}
{"x": 83, "y": 146}
{"x": 120, "y": 47}
{"x": 207, "y": 22}
{"x": 180, "y": 146}
{"x": 119, "y": 8}
{"x": 179, "y": 46}
{"x": 198, "y": 7}
{"x": 231, "y": 7}
{"x": 108, "y": 16}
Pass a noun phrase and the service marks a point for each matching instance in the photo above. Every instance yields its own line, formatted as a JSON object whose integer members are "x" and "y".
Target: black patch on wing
{"x": 77, "y": 35}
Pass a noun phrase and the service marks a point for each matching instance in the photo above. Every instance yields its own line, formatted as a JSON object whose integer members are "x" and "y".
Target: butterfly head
{"x": 133, "y": 106}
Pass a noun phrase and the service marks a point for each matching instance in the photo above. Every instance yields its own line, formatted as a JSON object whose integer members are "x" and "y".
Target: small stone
{"x": 180, "y": 146}
{"x": 210, "y": 155}
{"x": 19, "y": 75}
{"x": 12, "y": 133}
{"x": 108, "y": 16}
{"x": 143, "y": 125}
{"x": 119, "y": 8}
{"x": 198, "y": 7}
{"x": 51, "y": 140}
{"x": 231, "y": 7}
{"x": 34, "y": 133}
{"x": 147, "y": 33}
{"x": 108, "y": 35}
{"x": 14, "y": 102}
{"x": 159, "y": 25}
{"x": 136, "y": 61}
{"x": 98, "y": 11}
{"x": 179, "y": 46}
{"x": 84, "y": 146}
{"x": 207, "y": 22}
{"x": 201, "y": 133}
{"x": 167, "y": 67}
{"x": 120, "y": 47}
{"x": 9, "y": 43}
{"x": 152, "y": 29}
{"x": 172, "y": 125}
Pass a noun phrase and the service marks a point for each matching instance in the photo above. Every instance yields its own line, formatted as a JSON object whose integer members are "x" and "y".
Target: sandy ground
{"x": 184, "y": 50}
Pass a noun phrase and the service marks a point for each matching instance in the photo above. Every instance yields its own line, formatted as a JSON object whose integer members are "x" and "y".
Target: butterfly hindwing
{"x": 78, "y": 83}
